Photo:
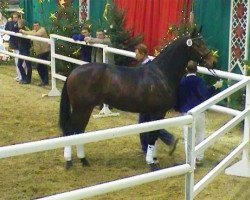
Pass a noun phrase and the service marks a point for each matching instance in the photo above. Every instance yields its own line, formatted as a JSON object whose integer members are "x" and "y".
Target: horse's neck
{"x": 173, "y": 63}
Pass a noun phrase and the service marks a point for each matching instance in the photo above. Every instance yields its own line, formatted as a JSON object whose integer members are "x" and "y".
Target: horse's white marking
{"x": 189, "y": 42}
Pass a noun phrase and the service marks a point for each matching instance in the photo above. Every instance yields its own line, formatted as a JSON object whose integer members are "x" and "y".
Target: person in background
{"x": 85, "y": 51}
{"x": 97, "y": 53}
{"x": 193, "y": 91}
{"x": 24, "y": 46}
{"x": 148, "y": 139}
{"x": 12, "y": 25}
{"x": 42, "y": 51}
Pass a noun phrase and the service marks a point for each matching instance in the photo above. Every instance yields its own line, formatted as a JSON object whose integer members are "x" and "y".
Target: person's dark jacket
{"x": 85, "y": 51}
{"x": 12, "y": 26}
{"x": 192, "y": 92}
{"x": 24, "y": 46}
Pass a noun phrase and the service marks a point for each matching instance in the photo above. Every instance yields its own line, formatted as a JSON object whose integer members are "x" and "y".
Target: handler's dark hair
{"x": 192, "y": 66}
{"x": 37, "y": 22}
{"x": 18, "y": 14}
{"x": 86, "y": 28}
{"x": 142, "y": 48}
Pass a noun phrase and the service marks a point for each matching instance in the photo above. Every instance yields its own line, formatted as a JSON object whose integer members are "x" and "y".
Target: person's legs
{"x": 166, "y": 137}
{"x": 22, "y": 71}
{"x": 46, "y": 75}
{"x": 199, "y": 135}
{"x": 143, "y": 136}
{"x": 200, "y": 132}
{"x": 169, "y": 140}
{"x": 18, "y": 77}
{"x": 39, "y": 68}
{"x": 25, "y": 67}
{"x": 151, "y": 158}
{"x": 43, "y": 69}
{"x": 185, "y": 137}
{"x": 144, "y": 143}
{"x": 29, "y": 71}
{"x": 151, "y": 150}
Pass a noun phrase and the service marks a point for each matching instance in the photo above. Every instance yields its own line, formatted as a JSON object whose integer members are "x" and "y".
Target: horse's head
{"x": 199, "y": 51}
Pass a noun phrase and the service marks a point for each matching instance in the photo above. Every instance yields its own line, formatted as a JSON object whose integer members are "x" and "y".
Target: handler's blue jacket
{"x": 192, "y": 91}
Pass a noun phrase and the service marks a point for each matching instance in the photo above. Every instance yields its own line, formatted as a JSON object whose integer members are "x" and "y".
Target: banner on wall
{"x": 214, "y": 17}
{"x": 83, "y": 10}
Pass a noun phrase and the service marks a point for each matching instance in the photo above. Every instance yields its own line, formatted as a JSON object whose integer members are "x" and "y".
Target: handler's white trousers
{"x": 199, "y": 133}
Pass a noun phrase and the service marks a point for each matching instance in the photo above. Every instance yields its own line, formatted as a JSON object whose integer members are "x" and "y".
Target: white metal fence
{"x": 241, "y": 168}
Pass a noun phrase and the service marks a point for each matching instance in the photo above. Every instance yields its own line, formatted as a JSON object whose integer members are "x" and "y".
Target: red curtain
{"x": 153, "y": 17}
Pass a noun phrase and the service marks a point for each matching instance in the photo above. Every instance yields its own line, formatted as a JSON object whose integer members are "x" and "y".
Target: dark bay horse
{"x": 150, "y": 88}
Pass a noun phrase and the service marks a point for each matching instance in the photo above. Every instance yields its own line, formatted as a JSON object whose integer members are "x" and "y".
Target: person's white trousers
{"x": 199, "y": 133}
{"x": 19, "y": 77}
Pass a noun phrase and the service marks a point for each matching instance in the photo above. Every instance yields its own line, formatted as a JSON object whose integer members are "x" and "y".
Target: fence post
{"x": 54, "y": 91}
{"x": 190, "y": 159}
{"x": 242, "y": 168}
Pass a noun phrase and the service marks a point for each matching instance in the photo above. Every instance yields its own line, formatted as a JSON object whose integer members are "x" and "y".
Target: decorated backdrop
{"x": 153, "y": 18}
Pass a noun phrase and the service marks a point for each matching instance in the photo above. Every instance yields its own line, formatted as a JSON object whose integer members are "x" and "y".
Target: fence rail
{"x": 121, "y": 184}
{"x": 49, "y": 144}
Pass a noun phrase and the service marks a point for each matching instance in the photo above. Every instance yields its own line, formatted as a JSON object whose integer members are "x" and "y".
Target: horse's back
{"x": 126, "y": 88}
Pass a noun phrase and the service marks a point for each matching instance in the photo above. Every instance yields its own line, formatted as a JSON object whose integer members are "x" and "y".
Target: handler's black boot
{"x": 68, "y": 164}
{"x": 85, "y": 162}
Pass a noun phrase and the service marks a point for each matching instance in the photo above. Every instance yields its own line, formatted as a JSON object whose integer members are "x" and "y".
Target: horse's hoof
{"x": 85, "y": 162}
{"x": 154, "y": 167}
{"x": 156, "y": 161}
{"x": 68, "y": 165}
{"x": 173, "y": 147}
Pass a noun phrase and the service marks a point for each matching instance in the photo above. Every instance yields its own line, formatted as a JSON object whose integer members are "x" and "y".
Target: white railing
{"x": 49, "y": 144}
{"x": 121, "y": 184}
{"x": 36, "y": 38}
{"x": 241, "y": 168}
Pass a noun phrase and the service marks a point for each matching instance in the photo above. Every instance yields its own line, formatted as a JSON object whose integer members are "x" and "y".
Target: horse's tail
{"x": 65, "y": 111}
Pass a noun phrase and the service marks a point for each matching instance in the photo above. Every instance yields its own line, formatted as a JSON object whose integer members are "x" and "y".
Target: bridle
{"x": 202, "y": 57}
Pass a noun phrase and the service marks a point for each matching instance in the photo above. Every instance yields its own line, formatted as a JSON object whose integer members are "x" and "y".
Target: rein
{"x": 203, "y": 57}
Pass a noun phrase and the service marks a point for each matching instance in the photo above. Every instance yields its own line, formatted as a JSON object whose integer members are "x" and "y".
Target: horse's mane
{"x": 165, "y": 55}
{"x": 168, "y": 49}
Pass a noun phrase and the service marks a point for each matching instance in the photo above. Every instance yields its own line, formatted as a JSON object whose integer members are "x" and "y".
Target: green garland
{"x": 114, "y": 24}
{"x": 3, "y": 5}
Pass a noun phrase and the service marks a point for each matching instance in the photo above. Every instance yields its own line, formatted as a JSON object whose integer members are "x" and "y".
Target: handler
{"x": 148, "y": 139}
{"x": 193, "y": 91}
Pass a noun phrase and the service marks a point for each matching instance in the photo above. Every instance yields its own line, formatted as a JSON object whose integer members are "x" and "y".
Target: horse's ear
{"x": 193, "y": 32}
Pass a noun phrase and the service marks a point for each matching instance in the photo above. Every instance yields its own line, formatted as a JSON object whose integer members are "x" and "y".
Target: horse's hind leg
{"x": 79, "y": 121}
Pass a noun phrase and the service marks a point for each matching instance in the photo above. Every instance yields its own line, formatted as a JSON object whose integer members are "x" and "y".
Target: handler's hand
{"x": 218, "y": 84}
{"x": 87, "y": 39}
